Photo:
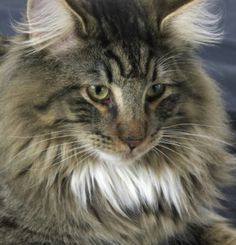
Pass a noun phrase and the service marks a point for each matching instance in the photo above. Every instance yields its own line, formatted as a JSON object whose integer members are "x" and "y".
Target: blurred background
{"x": 219, "y": 61}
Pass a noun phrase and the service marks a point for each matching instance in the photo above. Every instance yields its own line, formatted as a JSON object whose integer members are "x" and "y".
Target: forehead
{"x": 117, "y": 20}
{"x": 122, "y": 61}
{"x": 123, "y": 31}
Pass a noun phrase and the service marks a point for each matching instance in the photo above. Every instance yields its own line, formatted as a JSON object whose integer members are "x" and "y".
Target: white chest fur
{"x": 128, "y": 187}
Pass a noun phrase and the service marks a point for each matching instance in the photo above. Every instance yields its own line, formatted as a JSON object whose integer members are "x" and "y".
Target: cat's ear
{"x": 194, "y": 22}
{"x": 52, "y": 24}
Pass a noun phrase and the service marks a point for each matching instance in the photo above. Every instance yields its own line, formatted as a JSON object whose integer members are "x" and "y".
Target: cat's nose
{"x": 132, "y": 143}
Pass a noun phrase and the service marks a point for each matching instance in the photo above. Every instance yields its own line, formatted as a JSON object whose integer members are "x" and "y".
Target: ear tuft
{"x": 196, "y": 22}
{"x": 50, "y": 24}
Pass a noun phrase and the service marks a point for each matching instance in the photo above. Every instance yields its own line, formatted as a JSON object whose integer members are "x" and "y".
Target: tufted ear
{"x": 52, "y": 24}
{"x": 192, "y": 21}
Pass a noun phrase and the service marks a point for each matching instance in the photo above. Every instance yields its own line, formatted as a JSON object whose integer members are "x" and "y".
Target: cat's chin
{"x": 127, "y": 158}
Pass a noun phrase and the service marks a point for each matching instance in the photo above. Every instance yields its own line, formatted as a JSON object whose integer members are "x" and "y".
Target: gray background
{"x": 220, "y": 62}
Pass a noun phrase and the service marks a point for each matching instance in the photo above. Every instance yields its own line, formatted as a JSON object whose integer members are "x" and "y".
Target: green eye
{"x": 155, "y": 92}
{"x": 98, "y": 93}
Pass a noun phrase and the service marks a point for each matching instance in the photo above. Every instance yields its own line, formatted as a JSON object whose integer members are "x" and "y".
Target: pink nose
{"x": 132, "y": 143}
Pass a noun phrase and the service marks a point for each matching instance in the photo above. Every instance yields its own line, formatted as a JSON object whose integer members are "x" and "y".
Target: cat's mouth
{"x": 127, "y": 156}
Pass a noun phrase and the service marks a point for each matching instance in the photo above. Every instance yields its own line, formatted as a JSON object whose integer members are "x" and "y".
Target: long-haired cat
{"x": 110, "y": 131}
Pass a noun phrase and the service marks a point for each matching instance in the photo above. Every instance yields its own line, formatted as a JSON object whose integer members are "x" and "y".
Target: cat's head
{"x": 112, "y": 74}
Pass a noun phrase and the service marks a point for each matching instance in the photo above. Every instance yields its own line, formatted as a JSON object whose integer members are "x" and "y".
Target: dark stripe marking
{"x": 112, "y": 56}
{"x": 148, "y": 62}
{"x": 8, "y": 223}
{"x": 108, "y": 71}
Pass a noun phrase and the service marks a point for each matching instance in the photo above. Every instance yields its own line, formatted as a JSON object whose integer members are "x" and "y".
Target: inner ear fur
{"x": 53, "y": 24}
{"x": 172, "y": 8}
{"x": 191, "y": 22}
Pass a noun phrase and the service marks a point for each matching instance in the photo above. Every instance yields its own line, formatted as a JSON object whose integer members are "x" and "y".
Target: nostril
{"x": 133, "y": 143}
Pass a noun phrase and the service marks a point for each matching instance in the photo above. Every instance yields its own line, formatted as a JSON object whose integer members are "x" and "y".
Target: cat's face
{"x": 116, "y": 101}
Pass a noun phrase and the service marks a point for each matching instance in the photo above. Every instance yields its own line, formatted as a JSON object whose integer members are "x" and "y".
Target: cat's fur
{"x": 4, "y": 44}
{"x": 65, "y": 178}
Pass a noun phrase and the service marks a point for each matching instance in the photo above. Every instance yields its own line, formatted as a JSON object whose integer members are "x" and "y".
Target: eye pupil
{"x": 98, "y": 90}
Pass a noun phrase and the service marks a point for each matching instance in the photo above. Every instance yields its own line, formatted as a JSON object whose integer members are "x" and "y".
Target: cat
{"x": 110, "y": 130}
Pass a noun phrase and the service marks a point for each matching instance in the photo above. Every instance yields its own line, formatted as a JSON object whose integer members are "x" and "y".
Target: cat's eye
{"x": 155, "y": 92}
{"x": 98, "y": 92}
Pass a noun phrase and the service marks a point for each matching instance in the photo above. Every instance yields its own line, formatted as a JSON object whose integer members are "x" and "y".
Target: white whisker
{"x": 193, "y": 135}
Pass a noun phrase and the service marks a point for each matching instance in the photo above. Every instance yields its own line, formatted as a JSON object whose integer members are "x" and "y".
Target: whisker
{"x": 39, "y": 152}
{"x": 51, "y": 133}
{"x": 176, "y": 144}
{"x": 175, "y": 152}
{"x": 157, "y": 151}
{"x": 191, "y": 124}
{"x": 60, "y": 163}
{"x": 199, "y": 136}
{"x": 90, "y": 155}
{"x": 196, "y": 142}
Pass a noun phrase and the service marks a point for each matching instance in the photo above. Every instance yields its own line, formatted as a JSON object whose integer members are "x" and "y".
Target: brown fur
{"x": 47, "y": 117}
{"x": 220, "y": 234}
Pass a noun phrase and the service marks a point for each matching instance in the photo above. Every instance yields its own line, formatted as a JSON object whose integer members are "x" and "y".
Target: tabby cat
{"x": 110, "y": 130}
